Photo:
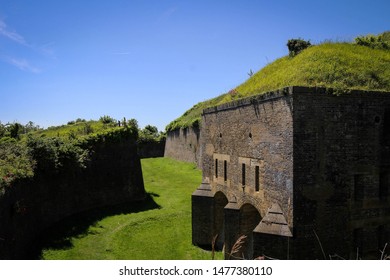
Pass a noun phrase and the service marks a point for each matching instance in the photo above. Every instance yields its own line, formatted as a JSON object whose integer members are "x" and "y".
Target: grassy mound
{"x": 342, "y": 66}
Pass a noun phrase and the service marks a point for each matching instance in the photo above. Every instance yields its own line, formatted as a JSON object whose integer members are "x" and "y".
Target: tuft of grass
{"x": 159, "y": 229}
{"x": 341, "y": 66}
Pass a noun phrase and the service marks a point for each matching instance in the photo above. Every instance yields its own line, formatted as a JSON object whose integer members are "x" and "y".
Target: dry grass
{"x": 237, "y": 247}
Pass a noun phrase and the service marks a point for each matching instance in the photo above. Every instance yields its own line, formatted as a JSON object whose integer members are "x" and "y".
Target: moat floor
{"x": 159, "y": 228}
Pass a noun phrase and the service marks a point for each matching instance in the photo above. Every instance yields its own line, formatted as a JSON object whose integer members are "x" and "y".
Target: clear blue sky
{"x": 152, "y": 60}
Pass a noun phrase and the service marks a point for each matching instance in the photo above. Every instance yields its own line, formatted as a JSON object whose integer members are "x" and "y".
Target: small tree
{"x": 150, "y": 130}
{"x": 133, "y": 123}
{"x": 107, "y": 120}
{"x": 295, "y": 46}
{"x": 15, "y": 130}
{"x": 2, "y": 130}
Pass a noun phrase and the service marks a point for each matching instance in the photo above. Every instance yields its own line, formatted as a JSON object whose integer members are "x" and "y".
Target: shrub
{"x": 15, "y": 162}
{"x": 15, "y": 130}
{"x": 107, "y": 120}
{"x": 372, "y": 41}
{"x": 54, "y": 154}
{"x": 2, "y": 130}
{"x": 295, "y": 46}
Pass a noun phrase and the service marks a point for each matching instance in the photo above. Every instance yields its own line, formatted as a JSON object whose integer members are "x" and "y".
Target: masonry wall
{"x": 252, "y": 136}
{"x": 151, "y": 149}
{"x": 183, "y": 144}
{"x": 322, "y": 162}
{"x": 113, "y": 176}
{"x": 341, "y": 173}
{"x": 254, "y": 132}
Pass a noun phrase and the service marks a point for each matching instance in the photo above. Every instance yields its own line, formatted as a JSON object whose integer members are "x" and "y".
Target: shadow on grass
{"x": 59, "y": 235}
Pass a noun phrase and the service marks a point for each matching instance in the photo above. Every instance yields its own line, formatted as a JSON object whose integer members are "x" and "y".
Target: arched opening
{"x": 249, "y": 219}
{"x": 220, "y": 202}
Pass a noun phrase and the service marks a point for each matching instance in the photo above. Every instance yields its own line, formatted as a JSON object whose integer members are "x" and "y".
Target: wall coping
{"x": 283, "y": 93}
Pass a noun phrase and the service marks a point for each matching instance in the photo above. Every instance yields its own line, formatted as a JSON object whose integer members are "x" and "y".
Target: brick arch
{"x": 254, "y": 202}
{"x": 249, "y": 219}
{"x": 220, "y": 201}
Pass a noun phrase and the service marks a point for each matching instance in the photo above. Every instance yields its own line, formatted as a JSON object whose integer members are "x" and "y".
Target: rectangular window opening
{"x": 225, "y": 170}
{"x": 243, "y": 174}
{"x": 257, "y": 178}
{"x": 216, "y": 168}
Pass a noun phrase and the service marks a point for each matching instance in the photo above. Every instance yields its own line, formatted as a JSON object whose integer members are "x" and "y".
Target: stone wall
{"x": 151, "y": 149}
{"x": 183, "y": 144}
{"x": 341, "y": 173}
{"x": 113, "y": 176}
{"x": 301, "y": 172}
{"x": 247, "y": 155}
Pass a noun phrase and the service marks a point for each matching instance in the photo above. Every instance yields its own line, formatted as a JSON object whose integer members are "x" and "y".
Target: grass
{"x": 342, "y": 66}
{"x": 159, "y": 228}
{"x": 77, "y": 129}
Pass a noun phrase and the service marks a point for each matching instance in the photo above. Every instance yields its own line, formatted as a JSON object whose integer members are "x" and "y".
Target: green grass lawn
{"x": 159, "y": 228}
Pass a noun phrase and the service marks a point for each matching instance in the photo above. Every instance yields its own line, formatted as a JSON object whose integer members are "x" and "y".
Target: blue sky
{"x": 152, "y": 60}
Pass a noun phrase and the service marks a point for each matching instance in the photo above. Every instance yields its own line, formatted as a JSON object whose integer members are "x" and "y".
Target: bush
{"x": 295, "y": 46}
{"x": 15, "y": 130}
{"x": 52, "y": 154}
{"x": 107, "y": 120}
{"x": 39, "y": 153}
{"x": 372, "y": 41}
{"x": 15, "y": 162}
{"x": 2, "y": 130}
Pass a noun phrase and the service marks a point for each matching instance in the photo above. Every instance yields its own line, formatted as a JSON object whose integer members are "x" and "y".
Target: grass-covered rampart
{"x": 363, "y": 65}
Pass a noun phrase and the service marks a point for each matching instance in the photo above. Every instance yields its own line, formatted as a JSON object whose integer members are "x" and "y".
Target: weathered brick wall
{"x": 252, "y": 136}
{"x": 151, "y": 149}
{"x": 315, "y": 165}
{"x": 183, "y": 144}
{"x": 341, "y": 160}
{"x": 254, "y": 133}
{"x": 113, "y": 176}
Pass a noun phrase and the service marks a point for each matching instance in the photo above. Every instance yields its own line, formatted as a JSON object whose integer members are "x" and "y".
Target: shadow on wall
{"x": 59, "y": 235}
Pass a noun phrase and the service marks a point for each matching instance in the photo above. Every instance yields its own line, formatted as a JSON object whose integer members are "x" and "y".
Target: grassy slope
{"x": 147, "y": 232}
{"x": 76, "y": 128}
{"x": 336, "y": 65}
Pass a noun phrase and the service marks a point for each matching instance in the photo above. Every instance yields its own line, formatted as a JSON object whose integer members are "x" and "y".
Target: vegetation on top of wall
{"x": 23, "y": 155}
{"x": 342, "y": 66}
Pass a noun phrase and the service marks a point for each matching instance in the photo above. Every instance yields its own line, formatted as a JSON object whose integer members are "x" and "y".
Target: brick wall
{"x": 314, "y": 165}
{"x": 247, "y": 149}
{"x": 28, "y": 207}
{"x": 341, "y": 160}
{"x": 183, "y": 144}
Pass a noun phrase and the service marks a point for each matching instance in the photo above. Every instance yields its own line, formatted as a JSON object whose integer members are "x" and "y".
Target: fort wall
{"x": 112, "y": 176}
{"x": 341, "y": 173}
{"x": 299, "y": 172}
{"x": 183, "y": 144}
